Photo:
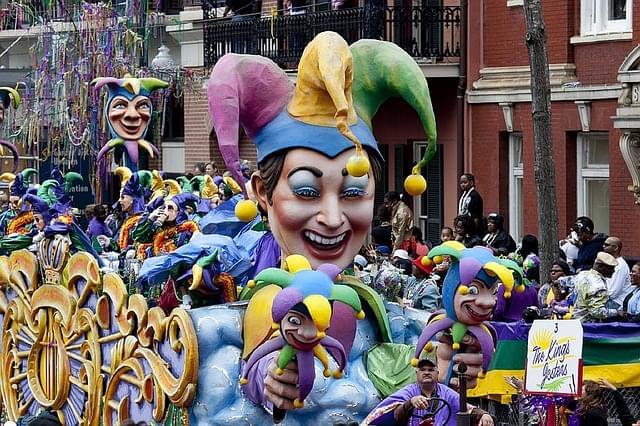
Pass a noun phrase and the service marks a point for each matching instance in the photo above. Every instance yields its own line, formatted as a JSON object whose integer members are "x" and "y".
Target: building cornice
{"x": 513, "y": 84}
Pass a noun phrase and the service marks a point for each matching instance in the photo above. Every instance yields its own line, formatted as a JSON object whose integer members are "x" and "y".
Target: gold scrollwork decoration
{"x": 77, "y": 343}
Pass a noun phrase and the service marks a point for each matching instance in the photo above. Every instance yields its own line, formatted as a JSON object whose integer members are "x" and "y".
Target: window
{"x": 593, "y": 178}
{"x": 516, "y": 178}
{"x": 605, "y": 16}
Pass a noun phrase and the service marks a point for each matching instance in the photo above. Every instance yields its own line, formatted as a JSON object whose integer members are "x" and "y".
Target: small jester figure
{"x": 469, "y": 298}
{"x": 17, "y": 220}
{"x": 129, "y": 110}
{"x": 8, "y": 97}
{"x": 302, "y": 312}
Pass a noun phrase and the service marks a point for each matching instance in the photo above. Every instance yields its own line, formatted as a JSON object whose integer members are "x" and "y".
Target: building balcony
{"x": 430, "y": 34}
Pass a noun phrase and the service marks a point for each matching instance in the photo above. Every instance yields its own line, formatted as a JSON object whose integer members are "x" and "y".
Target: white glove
{"x": 103, "y": 240}
{"x": 131, "y": 254}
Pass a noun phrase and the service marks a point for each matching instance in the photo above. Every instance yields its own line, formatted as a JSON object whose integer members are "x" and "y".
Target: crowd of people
{"x": 590, "y": 280}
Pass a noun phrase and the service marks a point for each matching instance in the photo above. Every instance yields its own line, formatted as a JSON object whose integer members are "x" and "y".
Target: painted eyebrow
{"x": 314, "y": 171}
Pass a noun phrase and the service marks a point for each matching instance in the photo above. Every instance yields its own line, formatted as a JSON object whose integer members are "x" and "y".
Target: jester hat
{"x": 131, "y": 185}
{"x": 468, "y": 265}
{"x": 9, "y": 97}
{"x": 129, "y": 87}
{"x": 61, "y": 190}
{"x": 18, "y": 183}
{"x": 339, "y": 89}
{"x": 38, "y": 205}
{"x": 182, "y": 201}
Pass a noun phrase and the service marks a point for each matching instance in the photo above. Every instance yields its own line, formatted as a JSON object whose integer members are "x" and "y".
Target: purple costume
{"x": 383, "y": 413}
{"x": 97, "y": 228}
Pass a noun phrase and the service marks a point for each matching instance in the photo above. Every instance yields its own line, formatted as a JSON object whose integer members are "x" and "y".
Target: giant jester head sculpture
{"x": 315, "y": 141}
{"x": 129, "y": 110}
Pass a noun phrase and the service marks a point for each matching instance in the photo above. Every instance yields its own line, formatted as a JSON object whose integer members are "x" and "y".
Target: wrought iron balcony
{"x": 425, "y": 32}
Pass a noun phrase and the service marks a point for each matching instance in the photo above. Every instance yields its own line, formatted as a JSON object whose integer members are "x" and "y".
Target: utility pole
{"x": 536, "y": 39}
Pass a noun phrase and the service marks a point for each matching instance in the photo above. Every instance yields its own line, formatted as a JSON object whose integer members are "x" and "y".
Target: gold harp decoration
{"x": 75, "y": 342}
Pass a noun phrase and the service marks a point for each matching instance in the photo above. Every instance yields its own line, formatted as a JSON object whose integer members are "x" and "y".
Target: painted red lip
{"x": 476, "y": 315}
{"x": 300, "y": 344}
{"x": 326, "y": 251}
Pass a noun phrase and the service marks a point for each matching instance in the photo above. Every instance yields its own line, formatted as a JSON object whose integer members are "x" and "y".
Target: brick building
{"x": 588, "y": 42}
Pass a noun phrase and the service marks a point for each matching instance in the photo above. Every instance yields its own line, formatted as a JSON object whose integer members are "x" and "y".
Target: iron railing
{"x": 425, "y": 32}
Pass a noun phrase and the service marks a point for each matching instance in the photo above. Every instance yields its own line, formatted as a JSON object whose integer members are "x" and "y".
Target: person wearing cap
{"x": 416, "y": 403}
{"x": 496, "y": 237}
{"x": 619, "y": 285}
{"x": 421, "y": 292}
{"x": 590, "y": 290}
{"x": 590, "y": 244}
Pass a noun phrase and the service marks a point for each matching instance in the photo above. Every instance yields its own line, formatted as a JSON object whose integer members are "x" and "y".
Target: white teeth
{"x": 318, "y": 239}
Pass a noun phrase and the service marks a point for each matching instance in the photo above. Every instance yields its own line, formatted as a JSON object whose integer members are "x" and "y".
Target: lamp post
{"x": 463, "y": 417}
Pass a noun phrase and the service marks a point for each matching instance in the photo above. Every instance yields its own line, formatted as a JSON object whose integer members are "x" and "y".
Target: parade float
{"x": 99, "y": 338}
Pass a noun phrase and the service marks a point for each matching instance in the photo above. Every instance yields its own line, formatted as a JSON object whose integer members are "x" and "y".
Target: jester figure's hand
{"x": 469, "y": 353}
{"x": 282, "y": 389}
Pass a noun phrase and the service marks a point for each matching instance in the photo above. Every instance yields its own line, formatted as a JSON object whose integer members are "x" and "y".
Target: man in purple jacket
{"x": 421, "y": 403}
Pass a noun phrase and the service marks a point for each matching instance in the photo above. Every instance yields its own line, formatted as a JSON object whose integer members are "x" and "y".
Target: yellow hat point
{"x": 338, "y": 374}
{"x": 455, "y": 346}
{"x": 243, "y": 381}
{"x": 321, "y": 335}
{"x": 437, "y": 260}
{"x": 326, "y": 372}
{"x": 275, "y": 326}
{"x": 426, "y": 261}
{"x": 297, "y": 403}
{"x": 507, "y": 294}
{"x": 360, "y": 315}
{"x": 251, "y": 283}
{"x": 520, "y": 288}
{"x": 358, "y": 165}
{"x": 279, "y": 371}
{"x": 295, "y": 263}
{"x": 415, "y": 185}
{"x": 463, "y": 290}
{"x": 414, "y": 362}
{"x": 246, "y": 210}
{"x": 429, "y": 347}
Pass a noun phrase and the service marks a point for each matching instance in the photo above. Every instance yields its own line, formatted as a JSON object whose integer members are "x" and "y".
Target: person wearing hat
{"x": 590, "y": 290}
{"x": 16, "y": 220}
{"x": 425, "y": 402}
{"x": 590, "y": 243}
{"x": 131, "y": 204}
{"x": 496, "y": 237}
{"x": 166, "y": 228}
{"x": 421, "y": 292}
